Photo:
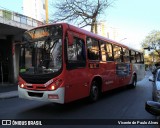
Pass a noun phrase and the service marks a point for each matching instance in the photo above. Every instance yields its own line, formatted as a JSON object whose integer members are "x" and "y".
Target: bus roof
{"x": 90, "y": 34}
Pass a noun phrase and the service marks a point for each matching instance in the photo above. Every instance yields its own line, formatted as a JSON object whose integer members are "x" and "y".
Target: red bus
{"x": 61, "y": 63}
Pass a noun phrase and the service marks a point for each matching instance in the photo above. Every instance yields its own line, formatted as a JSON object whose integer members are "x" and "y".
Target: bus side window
{"x": 142, "y": 58}
{"x": 71, "y": 51}
{"x": 126, "y": 58}
{"x": 93, "y": 49}
{"x": 109, "y": 52}
{"x": 103, "y": 51}
{"x": 76, "y": 53}
{"x": 138, "y": 58}
{"x": 81, "y": 55}
{"x": 132, "y": 56}
{"x": 117, "y": 53}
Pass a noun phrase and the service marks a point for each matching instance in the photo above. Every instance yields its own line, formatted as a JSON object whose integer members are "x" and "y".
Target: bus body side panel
{"x": 76, "y": 84}
{"x": 115, "y": 75}
{"x": 108, "y": 75}
{"x": 123, "y": 73}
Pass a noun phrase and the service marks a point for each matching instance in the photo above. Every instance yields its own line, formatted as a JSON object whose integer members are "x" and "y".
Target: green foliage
{"x": 152, "y": 41}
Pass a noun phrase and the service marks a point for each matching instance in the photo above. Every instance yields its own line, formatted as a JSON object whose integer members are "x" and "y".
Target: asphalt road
{"x": 121, "y": 104}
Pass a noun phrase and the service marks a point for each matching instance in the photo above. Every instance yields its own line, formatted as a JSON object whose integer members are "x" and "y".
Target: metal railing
{"x": 19, "y": 18}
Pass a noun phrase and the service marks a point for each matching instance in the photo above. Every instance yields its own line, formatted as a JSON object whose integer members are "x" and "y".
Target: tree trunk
{"x": 94, "y": 26}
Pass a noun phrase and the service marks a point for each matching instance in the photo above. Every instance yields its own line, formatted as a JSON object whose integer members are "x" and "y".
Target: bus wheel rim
{"x": 94, "y": 92}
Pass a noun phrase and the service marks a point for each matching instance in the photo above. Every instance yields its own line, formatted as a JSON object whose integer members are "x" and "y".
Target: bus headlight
{"x": 21, "y": 85}
{"x": 55, "y": 85}
{"x": 52, "y": 87}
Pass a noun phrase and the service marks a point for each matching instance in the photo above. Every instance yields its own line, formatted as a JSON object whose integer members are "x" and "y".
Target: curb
{"x": 7, "y": 95}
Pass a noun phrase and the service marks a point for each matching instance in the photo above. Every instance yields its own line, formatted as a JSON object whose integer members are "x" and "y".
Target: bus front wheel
{"x": 94, "y": 92}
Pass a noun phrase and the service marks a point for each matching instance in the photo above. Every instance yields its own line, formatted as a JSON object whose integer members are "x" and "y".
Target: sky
{"x": 134, "y": 19}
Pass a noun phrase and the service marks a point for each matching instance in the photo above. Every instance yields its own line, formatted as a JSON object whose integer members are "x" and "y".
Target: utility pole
{"x": 46, "y": 7}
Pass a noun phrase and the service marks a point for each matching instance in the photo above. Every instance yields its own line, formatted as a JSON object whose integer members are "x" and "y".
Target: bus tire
{"x": 94, "y": 92}
{"x": 134, "y": 82}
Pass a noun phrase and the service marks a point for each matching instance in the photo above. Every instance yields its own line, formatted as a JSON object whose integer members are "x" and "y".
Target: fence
{"x": 7, "y": 16}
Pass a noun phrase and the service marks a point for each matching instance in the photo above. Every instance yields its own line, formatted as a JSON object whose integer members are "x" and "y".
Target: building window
{"x": 44, "y": 7}
{"x": 44, "y": 4}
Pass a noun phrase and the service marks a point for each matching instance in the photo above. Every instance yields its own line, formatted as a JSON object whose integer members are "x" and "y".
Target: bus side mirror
{"x": 153, "y": 108}
{"x": 70, "y": 38}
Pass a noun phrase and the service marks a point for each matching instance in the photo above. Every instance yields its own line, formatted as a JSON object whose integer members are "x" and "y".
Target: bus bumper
{"x": 56, "y": 96}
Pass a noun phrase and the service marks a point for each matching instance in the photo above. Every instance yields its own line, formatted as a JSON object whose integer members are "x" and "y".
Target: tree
{"x": 151, "y": 58}
{"x": 80, "y": 12}
{"x": 152, "y": 41}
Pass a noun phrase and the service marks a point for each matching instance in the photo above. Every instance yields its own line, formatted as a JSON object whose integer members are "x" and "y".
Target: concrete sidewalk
{"x": 8, "y": 91}
{"x": 10, "y": 94}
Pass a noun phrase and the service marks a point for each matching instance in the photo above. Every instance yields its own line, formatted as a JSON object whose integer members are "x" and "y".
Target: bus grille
{"x": 34, "y": 94}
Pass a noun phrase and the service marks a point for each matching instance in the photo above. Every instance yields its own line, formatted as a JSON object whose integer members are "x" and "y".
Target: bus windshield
{"x": 41, "y": 53}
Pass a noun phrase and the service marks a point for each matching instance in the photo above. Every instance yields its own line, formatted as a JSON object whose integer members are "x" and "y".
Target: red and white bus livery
{"x": 61, "y": 63}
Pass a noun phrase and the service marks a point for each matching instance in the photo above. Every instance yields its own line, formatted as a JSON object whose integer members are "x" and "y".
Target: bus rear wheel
{"x": 94, "y": 92}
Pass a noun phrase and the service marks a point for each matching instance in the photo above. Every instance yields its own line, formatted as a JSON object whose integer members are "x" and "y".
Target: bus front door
{"x": 76, "y": 74}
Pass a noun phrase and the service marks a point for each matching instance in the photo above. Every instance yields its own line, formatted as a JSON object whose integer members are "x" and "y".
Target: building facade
{"x": 35, "y": 9}
{"x": 105, "y": 30}
{"x": 12, "y": 26}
